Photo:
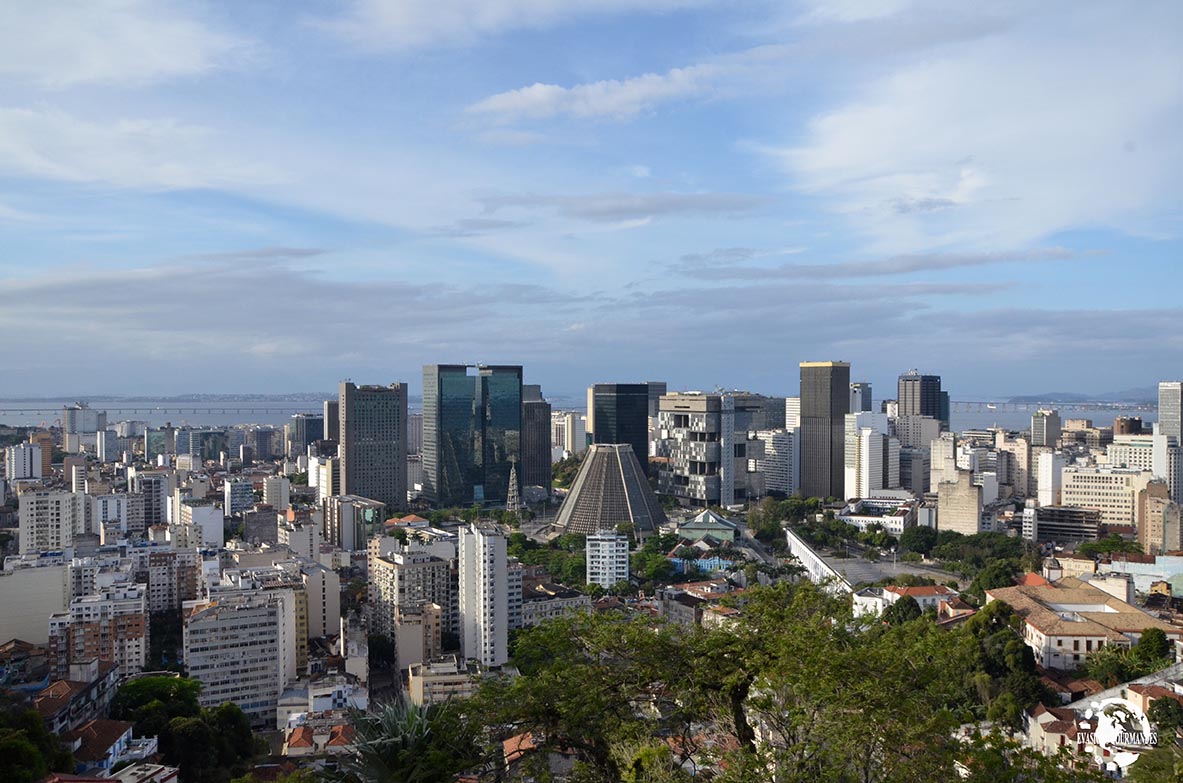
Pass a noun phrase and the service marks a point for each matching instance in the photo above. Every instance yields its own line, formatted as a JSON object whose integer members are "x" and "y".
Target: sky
{"x": 274, "y": 196}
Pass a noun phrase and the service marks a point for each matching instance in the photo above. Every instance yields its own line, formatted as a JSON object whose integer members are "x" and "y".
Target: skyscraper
{"x": 535, "y": 470}
{"x": 621, "y": 415}
{"x": 1045, "y": 428}
{"x": 860, "y": 397}
{"x": 825, "y": 401}
{"x": 472, "y": 431}
{"x": 1170, "y": 410}
{"x": 332, "y": 423}
{"x": 373, "y": 442}
{"x": 919, "y": 395}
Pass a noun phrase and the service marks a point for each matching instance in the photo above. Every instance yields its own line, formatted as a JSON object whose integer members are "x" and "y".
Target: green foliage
{"x": 999, "y": 573}
{"x": 208, "y": 745}
{"x": 564, "y": 557}
{"x": 296, "y": 776}
{"x": 1107, "y": 546}
{"x": 968, "y": 555}
{"x": 1153, "y": 645}
{"x": 1164, "y": 764}
{"x": 919, "y": 539}
{"x": 564, "y": 471}
{"x": 1167, "y": 715}
{"x": 902, "y": 611}
{"x": 1112, "y": 665}
{"x": 164, "y": 642}
{"x": 28, "y": 752}
{"x": 403, "y": 743}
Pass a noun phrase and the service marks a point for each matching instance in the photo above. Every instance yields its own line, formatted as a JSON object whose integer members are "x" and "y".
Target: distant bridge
{"x": 981, "y": 406}
{"x": 179, "y": 409}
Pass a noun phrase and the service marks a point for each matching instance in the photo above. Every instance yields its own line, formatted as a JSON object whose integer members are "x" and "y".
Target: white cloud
{"x": 612, "y": 98}
{"x": 1003, "y": 140}
{"x": 404, "y": 24}
{"x": 70, "y": 42}
{"x": 146, "y": 154}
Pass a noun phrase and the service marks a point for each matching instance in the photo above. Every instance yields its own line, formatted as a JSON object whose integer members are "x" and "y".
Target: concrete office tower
{"x": 1019, "y": 465}
{"x": 860, "y": 396}
{"x": 236, "y": 646}
{"x": 45, "y": 441}
{"x": 919, "y": 395}
{"x": 792, "y": 413}
{"x": 1159, "y": 529}
{"x": 106, "y": 446}
{"x": 1170, "y": 410}
{"x": 1127, "y": 425}
{"x": 110, "y": 625}
{"x": 709, "y": 448}
{"x": 1051, "y": 469}
{"x": 609, "y": 490}
{"x": 1167, "y": 463}
{"x": 415, "y": 433}
{"x": 332, "y": 420}
{"x": 49, "y": 521}
{"x": 81, "y": 419}
{"x": 23, "y": 461}
{"x": 915, "y": 470}
{"x": 781, "y": 463}
{"x": 942, "y": 461}
{"x": 825, "y": 401}
{"x": 323, "y": 588}
{"x": 277, "y": 492}
{"x": 959, "y": 505}
{"x": 535, "y": 469}
{"x": 1062, "y": 524}
{"x": 1045, "y": 428}
{"x": 484, "y": 595}
{"x": 1112, "y": 491}
{"x": 373, "y": 437}
{"x": 607, "y": 558}
{"x": 917, "y": 432}
{"x": 238, "y": 495}
{"x": 621, "y": 415}
{"x": 472, "y": 430}
{"x": 301, "y": 430}
{"x": 568, "y": 434}
{"x": 657, "y": 389}
{"x": 350, "y": 521}
{"x": 872, "y": 455}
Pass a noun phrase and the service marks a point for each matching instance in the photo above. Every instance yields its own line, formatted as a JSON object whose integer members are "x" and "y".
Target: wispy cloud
{"x": 724, "y": 264}
{"x": 273, "y": 253}
{"x": 610, "y": 98}
{"x": 122, "y": 42}
{"x": 629, "y": 206}
{"x": 150, "y": 154}
{"x": 408, "y": 24}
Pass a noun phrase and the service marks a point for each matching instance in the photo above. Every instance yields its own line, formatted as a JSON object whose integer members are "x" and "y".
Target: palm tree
{"x": 401, "y": 742}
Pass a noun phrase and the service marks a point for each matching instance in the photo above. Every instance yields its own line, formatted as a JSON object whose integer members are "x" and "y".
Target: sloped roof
{"x": 97, "y": 737}
{"x": 610, "y": 489}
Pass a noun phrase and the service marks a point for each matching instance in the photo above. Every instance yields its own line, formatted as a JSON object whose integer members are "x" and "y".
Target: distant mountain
{"x": 1027, "y": 399}
{"x": 1139, "y": 394}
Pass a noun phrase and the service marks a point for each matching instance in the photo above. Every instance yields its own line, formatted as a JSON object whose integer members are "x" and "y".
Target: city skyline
{"x": 894, "y": 185}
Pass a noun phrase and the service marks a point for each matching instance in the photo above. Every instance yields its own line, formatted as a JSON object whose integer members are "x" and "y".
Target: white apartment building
{"x": 484, "y": 595}
{"x": 1112, "y": 491}
{"x": 49, "y": 520}
{"x": 303, "y": 539}
{"x": 32, "y": 589}
{"x": 408, "y": 578}
{"x": 238, "y": 496}
{"x": 277, "y": 492}
{"x": 607, "y": 558}
{"x": 792, "y": 413}
{"x": 1051, "y": 473}
{"x": 109, "y": 509}
{"x": 201, "y": 524}
{"x": 872, "y": 455}
{"x": 323, "y": 587}
{"x": 781, "y": 463}
{"x": 236, "y": 648}
{"x": 1131, "y": 451}
{"x": 22, "y": 461}
{"x": 111, "y": 625}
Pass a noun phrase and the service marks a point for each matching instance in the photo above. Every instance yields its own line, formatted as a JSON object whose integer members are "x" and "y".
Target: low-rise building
{"x": 894, "y": 511}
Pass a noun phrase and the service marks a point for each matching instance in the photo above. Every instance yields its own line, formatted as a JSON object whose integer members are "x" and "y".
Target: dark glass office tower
{"x": 472, "y": 430}
{"x": 372, "y": 422}
{"x": 535, "y": 470}
{"x": 919, "y": 395}
{"x": 622, "y": 416}
{"x": 825, "y": 401}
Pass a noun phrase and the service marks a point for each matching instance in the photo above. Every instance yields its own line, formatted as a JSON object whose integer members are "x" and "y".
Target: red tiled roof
{"x": 301, "y": 737}
{"x": 97, "y": 738}
{"x": 340, "y": 735}
{"x": 922, "y": 591}
{"x": 1032, "y": 580}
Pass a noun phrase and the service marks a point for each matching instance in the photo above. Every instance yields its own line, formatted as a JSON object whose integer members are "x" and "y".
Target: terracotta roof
{"x": 56, "y": 696}
{"x": 1032, "y": 580}
{"x": 520, "y": 744}
{"x": 1033, "y": 603}
{"x": 97, "y": 738}
{"x": 923, "y": 591}
{"x": 301, "y": 737}
{"x": 340, "y": 735}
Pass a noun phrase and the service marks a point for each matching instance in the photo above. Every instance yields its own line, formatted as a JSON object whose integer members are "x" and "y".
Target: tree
{"x": 405, "y": 743}
{"x": 27, "y": 750}
{"x": 902, "y": 611}
{"x": 1167, "y": 715}
{"x": 999, "y": 573}
{"x": 1153, "y": 645}
{"x": 918, "y": 539}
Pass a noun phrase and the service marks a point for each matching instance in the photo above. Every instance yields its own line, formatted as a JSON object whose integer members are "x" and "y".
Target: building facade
{"x": 484, "y": 595}
{"x": 825, "y": 401}
{"x": 373, "y": 442}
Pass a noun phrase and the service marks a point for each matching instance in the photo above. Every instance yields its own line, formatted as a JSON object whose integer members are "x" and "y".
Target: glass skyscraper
{"x": 621, "y": 415}
{"x": 472, "y": 431}
{"x": 825, "y": 401}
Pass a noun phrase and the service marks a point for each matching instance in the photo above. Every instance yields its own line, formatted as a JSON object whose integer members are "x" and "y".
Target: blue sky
{"x": 270, "y": 197}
